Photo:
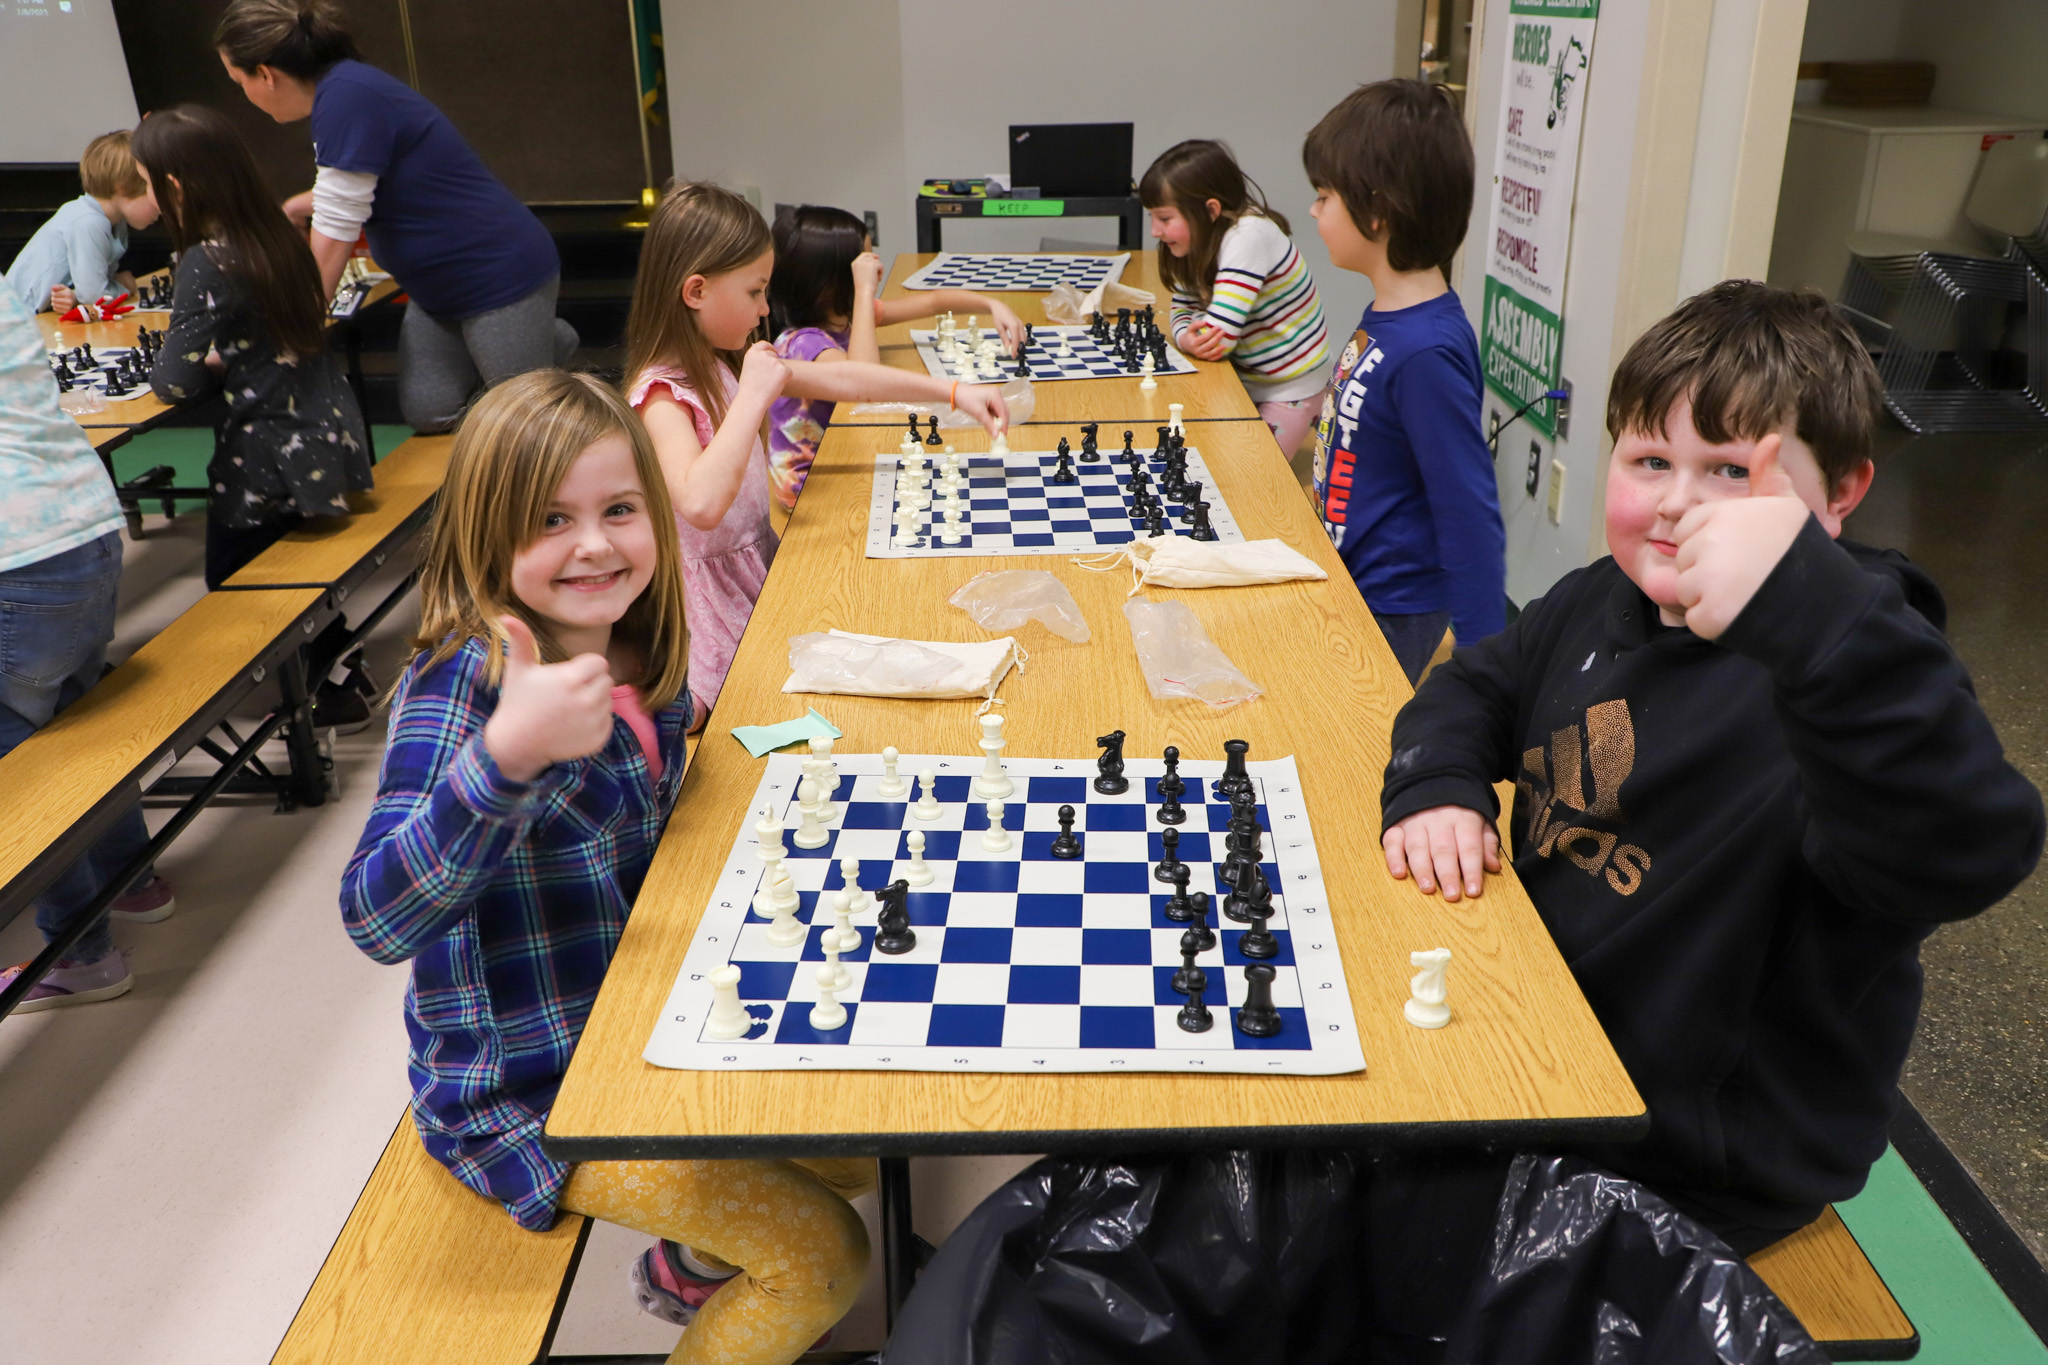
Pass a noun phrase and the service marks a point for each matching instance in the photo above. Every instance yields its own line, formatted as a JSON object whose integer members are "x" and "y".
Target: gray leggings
{"x": 444, "y": 364}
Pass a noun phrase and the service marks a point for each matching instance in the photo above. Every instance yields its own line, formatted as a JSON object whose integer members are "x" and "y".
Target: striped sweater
{"x": 1265, "y": 305}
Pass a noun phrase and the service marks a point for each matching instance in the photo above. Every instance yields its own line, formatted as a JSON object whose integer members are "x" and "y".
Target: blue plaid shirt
{"x": 508, "y": 898}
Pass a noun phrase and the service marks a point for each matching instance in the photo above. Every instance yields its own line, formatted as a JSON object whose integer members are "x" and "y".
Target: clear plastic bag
{"x": 836, "y": 662}
{"x": 1006, "y": 599}
{"x": 1018, "y": 399}
{"x": 1066, "y": 305}
{"x": 1179, "y": 660}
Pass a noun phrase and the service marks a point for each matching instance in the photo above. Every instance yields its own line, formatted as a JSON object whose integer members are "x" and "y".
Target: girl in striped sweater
{"x": 1240, "y": 289}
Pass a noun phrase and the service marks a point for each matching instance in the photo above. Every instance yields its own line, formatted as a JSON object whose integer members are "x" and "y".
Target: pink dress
{"x": 723, "y": 568}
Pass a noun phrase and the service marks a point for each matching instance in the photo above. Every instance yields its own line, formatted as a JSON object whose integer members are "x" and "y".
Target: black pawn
{"x": 1235, "y": 779}
{"x": 1127, "y": 454}
{"x": 933, "y": 439}
{"x": 1170, "y": 840}
{"x": 1190, "y": 979}
{"x": 1256, "y": 1017}
{"x": 1194, "y": 1017}
{"x": 1155, "y": 523}
{"x": 1110, "y": 779}
{"x": 1258, "y": 941}
{"x": 915, "y": 434}
{"x": 1179, "y": 908}
{"x": 893, "y": 934}
{"x": 1171, "y": 811}
{"x": 1064, "y": 844}
{"x": 1200, "y": 902}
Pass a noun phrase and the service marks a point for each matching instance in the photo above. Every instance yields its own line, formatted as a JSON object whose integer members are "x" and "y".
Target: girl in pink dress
{"x": 704, "y": 394}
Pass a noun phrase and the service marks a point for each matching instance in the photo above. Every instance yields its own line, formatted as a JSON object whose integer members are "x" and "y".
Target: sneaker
{"x": 73, "y": 985}
{"x": 669, "y": 1288}
{"x": 340, "y": 708}
{"x": 146, "y": 904}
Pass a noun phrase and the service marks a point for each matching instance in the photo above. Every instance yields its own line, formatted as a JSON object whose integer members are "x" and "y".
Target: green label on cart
{"x": 1024, "y": 208}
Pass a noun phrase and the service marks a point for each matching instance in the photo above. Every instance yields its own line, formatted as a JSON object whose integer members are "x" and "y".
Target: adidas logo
{"x": 1552, "y": 783}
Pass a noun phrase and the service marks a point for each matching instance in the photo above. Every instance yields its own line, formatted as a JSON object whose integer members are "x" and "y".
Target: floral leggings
{"x": 802, "y": 1249}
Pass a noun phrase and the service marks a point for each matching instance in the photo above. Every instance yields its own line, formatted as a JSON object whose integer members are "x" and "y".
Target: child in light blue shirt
{"x": 74, "y": 257}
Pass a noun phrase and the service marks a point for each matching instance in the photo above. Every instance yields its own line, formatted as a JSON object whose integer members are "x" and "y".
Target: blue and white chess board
{"x": 1012, "y": 509}
{"x": 1015, "y": 272}
{"x": 1055, "y": 353}
{"x": 1023, "y": 962}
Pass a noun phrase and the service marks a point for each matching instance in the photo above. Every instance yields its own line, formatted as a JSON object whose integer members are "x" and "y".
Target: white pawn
{"x": 927, "y": 807}
{"x": 729, "y": 1018}
{"x": 846, "y": 938}
{"x": 892, "y": 784}
{"x": 810, "y": 831}
{"x": 951, "y": 534}
{"x": 849, "y": 872}
{"x": 994, "y": 783}
{"x": 919, "y": 873}
{"x": 828, "y": 1014}
{"x": 785, "y": 930}
{"x": 995, "y": 838}
{"x": 1425, "y": 1007}
{"x": 828, "y": 942}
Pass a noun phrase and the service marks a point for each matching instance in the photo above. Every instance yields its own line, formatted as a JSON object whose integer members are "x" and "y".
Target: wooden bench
{"x": 1825, "y": 1279}
{"x": 427, "y": 1272}
{"x": 341, "y": 552}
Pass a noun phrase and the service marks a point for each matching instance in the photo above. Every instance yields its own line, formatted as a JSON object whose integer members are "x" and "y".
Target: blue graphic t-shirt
{"x": 451, "y": 234}
{"x": 1403, "y": 478}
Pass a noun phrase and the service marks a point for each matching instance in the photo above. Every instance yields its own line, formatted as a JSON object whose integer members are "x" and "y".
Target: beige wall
{"x": 1855, "y": 30}
{"x": 1988, "y": 54}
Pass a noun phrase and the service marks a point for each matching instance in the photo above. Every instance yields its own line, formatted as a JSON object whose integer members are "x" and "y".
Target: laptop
{"x": 1080, "y": 160}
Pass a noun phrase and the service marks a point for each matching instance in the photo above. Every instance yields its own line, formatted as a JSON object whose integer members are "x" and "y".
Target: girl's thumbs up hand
{"x": 547, "y": 713}
{"x": 1727, "y": 548}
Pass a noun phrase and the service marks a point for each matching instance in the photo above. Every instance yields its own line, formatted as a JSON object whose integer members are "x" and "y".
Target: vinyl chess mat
{"x": 1023, "y": 962}
{"x": 1012, "y": 509}
{"x": 999, "y": 273}
{"x": 106, "y": 358}
{"x": 1054, "y": 353}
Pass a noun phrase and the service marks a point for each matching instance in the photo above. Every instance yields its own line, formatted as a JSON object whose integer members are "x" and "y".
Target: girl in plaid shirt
{"x": 536, "y": 750}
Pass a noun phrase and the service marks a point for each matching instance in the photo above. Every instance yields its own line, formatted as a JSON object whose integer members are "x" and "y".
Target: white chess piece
{"x": 828, "y": 777}
{"x": 785, "y": 930}
{"x": 729, "y": 1018}
{"x": 1000, "y": 446}
{"x": 863, "y": 901}
{"x": 906, "y": 529}
{"x": 919, "y": 872}
{"x": 951, "y": 534}
{"x": 828, "y": 943}
{"x": 1173, "y": 425}
{"x": 828, "y": 1014}
{"x": 1145, "y": 368}
{"x": 892, "y": 784}
{"x": 769, "y": 830}
{"x": 846, "y": 938}
{"x": 1425, "y": 1007}
{"x": 810, "y": 832}
{"x": 994, "y": 783}
{"x": 927, "y": 807}
{"x": 995, "y": 838}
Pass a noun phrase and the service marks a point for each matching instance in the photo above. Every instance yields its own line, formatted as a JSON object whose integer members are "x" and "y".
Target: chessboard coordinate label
{"x": 1023, "y": 962}
{"x": 1000, "y": 272}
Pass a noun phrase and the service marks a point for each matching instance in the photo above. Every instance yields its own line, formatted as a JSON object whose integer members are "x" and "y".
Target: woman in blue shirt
{"x": 480, "y": 270}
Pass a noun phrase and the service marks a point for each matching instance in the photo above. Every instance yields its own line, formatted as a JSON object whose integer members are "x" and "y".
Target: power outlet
{"x": 1535, "y": 474}
{"x": 1557, "y": 492}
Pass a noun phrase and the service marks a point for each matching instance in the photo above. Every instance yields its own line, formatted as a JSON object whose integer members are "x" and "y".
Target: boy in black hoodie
{"x": 1751, "y": 776}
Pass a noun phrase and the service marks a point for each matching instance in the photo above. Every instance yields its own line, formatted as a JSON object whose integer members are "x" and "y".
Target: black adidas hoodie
{"x": 1738, "y": 847}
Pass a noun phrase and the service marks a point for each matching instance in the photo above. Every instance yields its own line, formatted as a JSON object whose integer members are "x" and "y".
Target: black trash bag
{"x": 1314, "y": 1257}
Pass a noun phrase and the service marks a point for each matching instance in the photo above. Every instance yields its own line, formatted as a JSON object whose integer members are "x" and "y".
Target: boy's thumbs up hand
{"x": 1727, "y": 548}
{"x": 547, "y": 713}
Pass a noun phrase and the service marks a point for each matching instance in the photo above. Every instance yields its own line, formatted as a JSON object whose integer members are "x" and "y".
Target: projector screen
{"x": 63, "y": 79}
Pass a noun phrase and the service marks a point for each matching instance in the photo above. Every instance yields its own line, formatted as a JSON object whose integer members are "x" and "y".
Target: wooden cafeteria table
{"x": 1523, "y": 1059}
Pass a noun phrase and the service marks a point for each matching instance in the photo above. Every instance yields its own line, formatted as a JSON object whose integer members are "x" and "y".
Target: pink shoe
{"x": 147, "y": 904}
{"x": 73, "y": 985}
{"x": 666, "y": 1285}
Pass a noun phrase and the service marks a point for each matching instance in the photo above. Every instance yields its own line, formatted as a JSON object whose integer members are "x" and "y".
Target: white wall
{"x": 854, "y": 103}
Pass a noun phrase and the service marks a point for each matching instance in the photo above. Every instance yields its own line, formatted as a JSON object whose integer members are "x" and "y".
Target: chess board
{"x": 96, "y": 379}
{"x": 1034, "y": 273}
{"x": 1023, "y": 962}
{"x": 1013, "y": 510}
{"x": 1054, "y": 353}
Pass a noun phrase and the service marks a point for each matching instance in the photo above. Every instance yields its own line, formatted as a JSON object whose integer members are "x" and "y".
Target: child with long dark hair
{"x": 247, "y": 318}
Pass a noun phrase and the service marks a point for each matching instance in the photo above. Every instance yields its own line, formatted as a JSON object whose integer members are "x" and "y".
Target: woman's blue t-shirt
{"x": 454, "y": 237}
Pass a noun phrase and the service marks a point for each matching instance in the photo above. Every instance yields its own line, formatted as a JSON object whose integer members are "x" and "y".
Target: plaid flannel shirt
{"x": 508, "y": 898}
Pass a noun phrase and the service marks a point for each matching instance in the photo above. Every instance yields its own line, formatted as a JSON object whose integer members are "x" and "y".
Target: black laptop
{"x": 1071, "y": 160}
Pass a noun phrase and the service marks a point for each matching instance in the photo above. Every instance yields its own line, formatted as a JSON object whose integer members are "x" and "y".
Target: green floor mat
{"x": 187, "y": 449}
{"x": 1962, "y": 1316}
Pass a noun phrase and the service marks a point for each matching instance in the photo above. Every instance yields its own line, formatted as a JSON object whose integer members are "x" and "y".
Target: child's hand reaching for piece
{"x": 1451, "y": 846}
{"x": 867, "y": 275}
{"x": 547, "y": 713}
{"x": 1009, "y": 326}
{"x": 1727, "y": 548}
{"x": 1202, "y": 341}
{"x": 984, "y": 403}
{"x": 762, "y": 374}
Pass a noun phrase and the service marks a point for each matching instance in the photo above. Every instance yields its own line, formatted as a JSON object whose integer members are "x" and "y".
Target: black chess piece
{"x": 1199, "y": 902}
{"x": 1126, "y": 454}
{"x": 1110, "y": 779}
{"x": 1063, "y": 472}
{"x": 893, "y": 934}
{"x": 1169, "y": 839}
{"x": 933, "y": 439}
{"x": 1257, "y": 1018}
{"x": 1258, "y": 942}
{"x": 1201, "y": 529}
{"x": 1088, "y": 452}
{"x": 1190, "y": 979}
{"x": 1155, "y": 523}
{"x": 1171, "y": 788}
{"x": 915, "y": 434}
{"x": 1022, "y": 369}
{"x": 1064, "y": 844}
{"x": 1178, "y": 907}
{"x": 1246, "y": 879}
{"x": 1194, "y": 1017}
{"x": 1190, "y": 494}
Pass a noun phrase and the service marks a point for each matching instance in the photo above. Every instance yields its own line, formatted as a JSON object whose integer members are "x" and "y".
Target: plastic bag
{"x": 837, "y": 662}
{"x": 1178, "y": 658}
{"x": 1066, "y": 305}
{"x": 1310, "y": 1257}
{"x": 1006, "y": 599}
{"x": 1179, "y": 562}
{"x": 1018, "y": 399}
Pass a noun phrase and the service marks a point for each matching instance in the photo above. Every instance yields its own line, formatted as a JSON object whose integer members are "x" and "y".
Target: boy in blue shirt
{"x": 1403, "y": 477}
{"x": 73, "y": 258}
